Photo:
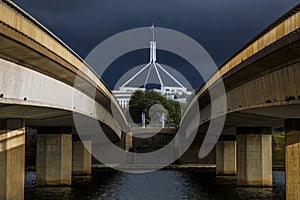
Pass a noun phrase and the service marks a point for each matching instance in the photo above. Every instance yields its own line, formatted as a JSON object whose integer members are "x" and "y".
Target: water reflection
{"x": 164, "y": 184}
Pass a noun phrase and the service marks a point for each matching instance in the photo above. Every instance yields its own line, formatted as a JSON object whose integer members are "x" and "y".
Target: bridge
{"x": 38, "y": 74}
{"x": 263, "y": 93}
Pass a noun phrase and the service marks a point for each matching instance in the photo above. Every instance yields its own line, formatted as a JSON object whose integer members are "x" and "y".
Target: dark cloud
{"x": 222, "y": 27}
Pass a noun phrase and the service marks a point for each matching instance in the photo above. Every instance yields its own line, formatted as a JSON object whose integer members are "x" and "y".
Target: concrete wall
{"x": 191, "y": 156}
{"x": 151, "y": 139}
{"x": 155, "y": 142}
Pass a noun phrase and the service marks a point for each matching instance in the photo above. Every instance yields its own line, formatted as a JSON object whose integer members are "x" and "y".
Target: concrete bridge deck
{"x": 262, "y": 93}
{"x": 33, "y": 51}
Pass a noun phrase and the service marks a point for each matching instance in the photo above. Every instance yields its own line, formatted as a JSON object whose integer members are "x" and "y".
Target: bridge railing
{"x": 168, "y": 125}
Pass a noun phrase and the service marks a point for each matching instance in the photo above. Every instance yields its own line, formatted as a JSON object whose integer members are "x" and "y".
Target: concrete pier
{"x": 12, "y": 159}
{"x": 254, "y": 155}
{"x": 54, "y": 156}
{"x": 81, "y": 158}
{"x": 128, "y": 141}
{"x": 226, "y": 156}
{"x": 292, "y": 166}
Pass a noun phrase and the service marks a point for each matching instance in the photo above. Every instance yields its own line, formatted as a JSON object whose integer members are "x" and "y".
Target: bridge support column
{"x": 226, "y": 156}
{"x": 54, "y": 156}
{"x": 292, "y": 157}
{"x": 82, "y": 159}
{"x": 12, "y": 158}
{"x": 254, "y": 155}
{"x": 128, "y": 141}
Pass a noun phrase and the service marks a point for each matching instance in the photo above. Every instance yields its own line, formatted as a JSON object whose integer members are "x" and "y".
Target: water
{"x": 163, "y": 184}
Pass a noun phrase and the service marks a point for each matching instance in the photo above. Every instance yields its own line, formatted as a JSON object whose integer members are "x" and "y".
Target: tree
{"x": 136, "y": 105}
{"x": 153, "y": 104}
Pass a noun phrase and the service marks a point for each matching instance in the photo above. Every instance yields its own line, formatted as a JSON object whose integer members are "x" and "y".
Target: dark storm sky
{"x": 220, "y": 26}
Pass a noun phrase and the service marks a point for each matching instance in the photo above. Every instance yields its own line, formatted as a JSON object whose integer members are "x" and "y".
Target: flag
{"x": 151, "y": 28}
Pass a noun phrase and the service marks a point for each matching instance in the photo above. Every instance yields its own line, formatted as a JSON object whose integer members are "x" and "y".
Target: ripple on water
{"x": 163, "y": 184}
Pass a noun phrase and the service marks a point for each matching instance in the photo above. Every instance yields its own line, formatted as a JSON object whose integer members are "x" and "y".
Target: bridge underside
{"x": 35, "y": 116}
{"x": 270, "y": 115}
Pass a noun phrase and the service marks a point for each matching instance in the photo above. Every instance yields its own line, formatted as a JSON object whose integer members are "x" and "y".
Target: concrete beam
{"x": 254, "y": 154}
{"x": 12, "y": 159}
{"x": 54, "y": 156}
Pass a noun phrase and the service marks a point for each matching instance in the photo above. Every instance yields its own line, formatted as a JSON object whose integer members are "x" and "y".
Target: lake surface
{"x": 163, "y": 184}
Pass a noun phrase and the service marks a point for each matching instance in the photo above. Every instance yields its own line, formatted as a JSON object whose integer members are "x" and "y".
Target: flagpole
{"x": 153, "y": 33}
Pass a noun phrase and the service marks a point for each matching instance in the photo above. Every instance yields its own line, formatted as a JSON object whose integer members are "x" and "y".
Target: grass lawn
{"x": 278, "y": 150}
